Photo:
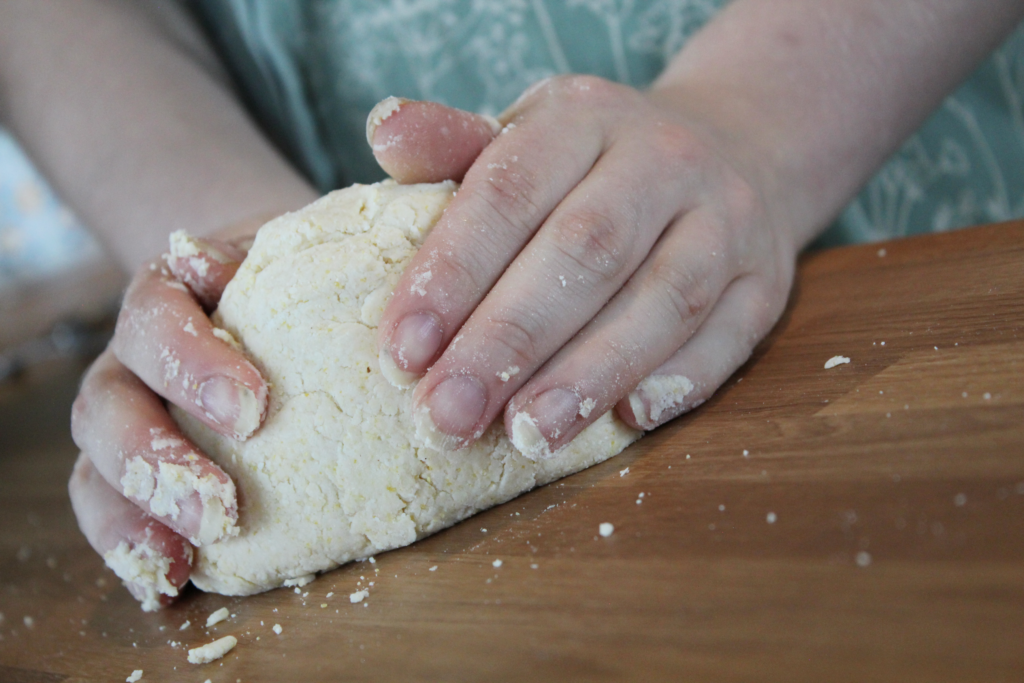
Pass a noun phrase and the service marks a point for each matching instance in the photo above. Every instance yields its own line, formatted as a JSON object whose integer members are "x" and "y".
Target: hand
{"x": 143, "y": 494}
{"x": 609, "y": 249}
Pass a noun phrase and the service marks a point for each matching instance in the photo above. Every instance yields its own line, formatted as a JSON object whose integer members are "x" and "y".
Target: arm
{"x": 821, "y": 92}
{"x": 126, "y": 110}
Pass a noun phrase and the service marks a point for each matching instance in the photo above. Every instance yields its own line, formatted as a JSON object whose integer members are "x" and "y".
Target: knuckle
{"x": 678, "y": 150}
{"x": 744, "y": 201}
{"x": 519, "y": 338}
{"x": 594, "y": 242}
{"x": 687, "y": 295}
{"x": 79, "y": 418}
{"x": 507, "y": 192}
{"x": 587, "y": 89}
{"x": 461, "y": 272}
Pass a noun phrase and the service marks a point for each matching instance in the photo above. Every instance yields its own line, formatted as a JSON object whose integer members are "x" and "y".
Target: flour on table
{"x": 337, "y": 471}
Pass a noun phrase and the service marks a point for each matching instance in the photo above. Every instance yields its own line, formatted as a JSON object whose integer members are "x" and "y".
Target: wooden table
{"x": 861, "y": 523}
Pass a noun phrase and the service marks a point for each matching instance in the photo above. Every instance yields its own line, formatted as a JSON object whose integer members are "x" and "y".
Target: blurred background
{"x": 59, "y": 292}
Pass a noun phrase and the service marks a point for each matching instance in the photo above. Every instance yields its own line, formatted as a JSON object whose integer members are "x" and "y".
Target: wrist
{"x": 730, "y": 126}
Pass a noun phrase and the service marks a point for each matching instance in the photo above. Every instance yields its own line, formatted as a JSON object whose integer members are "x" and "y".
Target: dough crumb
{"x": 586, "y": 407}
{"x": 496, "y": 563}
{"x": 277, "y": 629}
{"x": 183, "y": 245}
{"x": 136, "y": 676}
{"x": 506, "y": 375}
{"x": 624, "y": 472}
{"x": 358, "y": 596}
{"x": 863, "y": 558}
{"x": 212, "y": 651}
{"x": 300, "y": 581}
{"x": 606, "y": 529}
{"x": 217, "y": 617}
{"x": 836, "y": 360}
{"x": 433, "y": 569}
{"x": 185, "y": 625}
{"x": 226, "y": 337}
{"x": 771, "y": 518}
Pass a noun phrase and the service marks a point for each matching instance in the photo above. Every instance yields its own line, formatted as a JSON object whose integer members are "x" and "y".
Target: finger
{"x": 663, "y": 304}
{"x": 164, "y": 337}
{"x": 152, "y": 560}
{"x": 582, "y": 255}
{"x": 724, "y": 342}
{"x": 206, "y": 266}
{"x": 136, "y": 447}
{"x": 426, "y": 142}
{"x": 506, "y": 195}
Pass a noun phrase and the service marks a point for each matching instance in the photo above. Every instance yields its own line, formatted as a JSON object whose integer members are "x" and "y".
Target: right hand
{"x": 164, "y": 336}
{"x": 142, "y": 493}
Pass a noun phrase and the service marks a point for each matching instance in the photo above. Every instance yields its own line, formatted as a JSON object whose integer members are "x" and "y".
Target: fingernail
{"x": 380, "y": 112}
{"x": 664, "y": 394}
{"x": 456, "y": 405}
{"x": 232, "y": 405}
{"x": 220, "y": 513}
{"x": 397, "y": 377}
{"x": 208, "y": 506}
{"x": 416, "y": 341}
{"x": 144, "y": 572}
{"x": 549, "y": 416}
{"x": 197, "y": 504}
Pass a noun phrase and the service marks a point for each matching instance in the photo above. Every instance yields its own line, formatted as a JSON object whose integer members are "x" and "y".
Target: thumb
{"x": 426, "y": 142}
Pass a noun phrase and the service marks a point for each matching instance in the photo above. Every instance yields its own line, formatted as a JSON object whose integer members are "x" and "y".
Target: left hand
{"x": 609, "y": 249}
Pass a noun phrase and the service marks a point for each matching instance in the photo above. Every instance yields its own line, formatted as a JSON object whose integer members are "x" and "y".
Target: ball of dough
{"x": 337, "y": 471}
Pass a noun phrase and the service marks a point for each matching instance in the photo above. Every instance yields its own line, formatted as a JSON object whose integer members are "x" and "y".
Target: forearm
{"x": 813, "y": 95}
{"x": 124, "y": 109}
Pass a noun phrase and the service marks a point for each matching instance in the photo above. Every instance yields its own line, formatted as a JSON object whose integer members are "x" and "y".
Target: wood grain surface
{"x": 862, "y": 523}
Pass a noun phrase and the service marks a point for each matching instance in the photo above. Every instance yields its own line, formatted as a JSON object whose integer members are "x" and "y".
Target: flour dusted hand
{"x": 338, "y": 471}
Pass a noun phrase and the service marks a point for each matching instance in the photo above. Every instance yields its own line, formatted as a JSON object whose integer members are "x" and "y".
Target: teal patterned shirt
{"x": 311, "y": 70}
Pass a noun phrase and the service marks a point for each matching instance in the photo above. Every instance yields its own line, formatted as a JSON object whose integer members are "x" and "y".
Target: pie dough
{"x": 337, "y": 472}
